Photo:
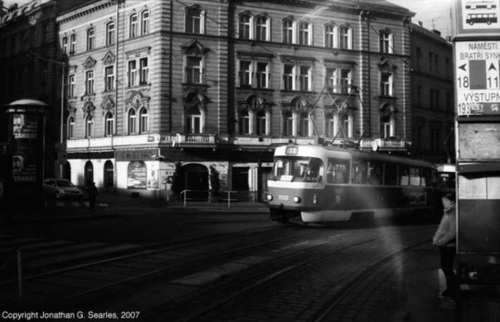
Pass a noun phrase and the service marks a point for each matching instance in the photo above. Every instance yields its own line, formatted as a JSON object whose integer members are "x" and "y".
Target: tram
{"x": 320, "y": 184}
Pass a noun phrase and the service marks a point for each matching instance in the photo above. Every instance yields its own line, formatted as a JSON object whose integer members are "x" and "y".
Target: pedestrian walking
{"x": 444, "y": 238}
{"x": 92, "y": 192}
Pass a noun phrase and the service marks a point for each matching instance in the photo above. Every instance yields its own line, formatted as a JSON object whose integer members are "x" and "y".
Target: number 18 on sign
{"x": 477, "y": 77}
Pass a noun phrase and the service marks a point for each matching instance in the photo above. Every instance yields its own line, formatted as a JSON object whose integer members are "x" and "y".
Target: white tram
{"x": 318, "y": 184}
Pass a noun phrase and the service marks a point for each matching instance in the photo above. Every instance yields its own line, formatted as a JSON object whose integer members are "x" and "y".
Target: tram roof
{"x": 350, "y": 153}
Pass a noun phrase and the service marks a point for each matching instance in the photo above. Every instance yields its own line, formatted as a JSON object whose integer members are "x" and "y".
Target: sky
{"x": 434, "y": 14}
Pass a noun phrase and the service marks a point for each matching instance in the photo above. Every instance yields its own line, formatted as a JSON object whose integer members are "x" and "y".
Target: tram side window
{"x": 404, "y": 175}
{"x": 337, "y": 171}
{"x": 426, "y": 177}
{"x": 414, "y": 176}
{"x": 391, "y": 175}
{"x": 359, "y": 172}
{"x": 375, "y": 173}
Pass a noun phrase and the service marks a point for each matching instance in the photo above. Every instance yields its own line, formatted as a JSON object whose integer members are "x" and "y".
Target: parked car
{"x": 61, "y": 189}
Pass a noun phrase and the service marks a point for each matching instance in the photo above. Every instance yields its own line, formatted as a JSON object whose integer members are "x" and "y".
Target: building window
{"x": 109, "y": 124}
{"x": 132, "y": 121}
{"x": 133, "y": 26}
{"x": 262, "y": 75}
{"x": 304, "y": 124}
{"x": 194, "y": 21}
{"x": 193, "y": 120}
{"x": 345, "y": 37}
{"x": 89, "y": 82}
{"x": 305, "y": 78}
{"x": 385, "y": 42}
{"x": 288, "y": 77}
{"x": 330, "y": 125}
{"x": 89, "y": 126}
{"x": 330, "y": 36}
{"x": 262, "y": 28}
{"x": 305, "y": 33}
{"x": 143, "y": 71}
{"x": 262, "y": 121}
{"x": 144, "y": 22}
{"x": 287, "y": 124}
{"x": 418, "y": 54}
{"x": 194, "y": 70}
{"x": 386, "y": 84}
{"x": 245, "y": 26}
{"x": 143, "y": 123}
{"x": 109, "y": 78}
{"x": 331, "y": 77}
{"x": 132, "y": 73}
{"x": 345, "y": 80}
{"x": 288, "y": 31}
{"x": 90, "y": 39}
{"x": 245, "y": 74}
{"x": 64, "y": 45}
{"x": 245, "y": 122}
{"x": 71, "y": 86}
{"x": 71, "y": 128}
{"x": 110, "y": 33}
{"x": 72, "y": 46}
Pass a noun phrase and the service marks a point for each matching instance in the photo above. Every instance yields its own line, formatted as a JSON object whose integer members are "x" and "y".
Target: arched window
{"x": 89, "y": 126}
{"x": 194, "y": 120}
{"x": 89, "y": 172}
{"x": 195, "y": 20}
{"x": 110, "y": 33}
{"x": 305, "y": 32}
{"x": 262, "y": 28}
{"x": 64, "y": 45}
{"x": 262, "y": 123}
{"x": 143, "y": 122}
{"x": 245, "y": 122}
{"x": 132, "y": 118}
{"x": 288, "y": 31}
{"x": 90, "y": 39}
{"x": 345, "y": 41}
{"x": 330, "y": 36}
{"x": 304, "y": 124}
{"x": 133, "y": 26}
{"x": 109, "y": 174}
{"x": 144, "y": 22}
{"x": 245, "y": 26}
{"x": 71, "y": 128}
{"x": 72, "y": 45}
{"x": 109, "y": 124}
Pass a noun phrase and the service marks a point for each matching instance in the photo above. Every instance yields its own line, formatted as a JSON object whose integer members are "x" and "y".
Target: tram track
{"x": 155, "y": 261}
{"x": 232, "y": 304}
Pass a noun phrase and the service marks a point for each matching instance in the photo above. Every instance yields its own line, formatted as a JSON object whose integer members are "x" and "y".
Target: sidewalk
{"x": 111, "y": 204}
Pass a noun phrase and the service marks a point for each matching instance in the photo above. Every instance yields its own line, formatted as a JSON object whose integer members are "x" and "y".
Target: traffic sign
{"x": 478, "y": 18}
{"x": 477, "y": 77}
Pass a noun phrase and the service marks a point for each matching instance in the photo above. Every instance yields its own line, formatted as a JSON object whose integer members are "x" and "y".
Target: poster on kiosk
{"x": 476, "y": 43}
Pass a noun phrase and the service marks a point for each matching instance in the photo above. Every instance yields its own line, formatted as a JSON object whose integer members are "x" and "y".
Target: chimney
{"x": 420, "y": 23}
{"x": 437, "y": 32}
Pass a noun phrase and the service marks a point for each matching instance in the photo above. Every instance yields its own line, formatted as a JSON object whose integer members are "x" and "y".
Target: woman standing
{"x": 445, "y": 238}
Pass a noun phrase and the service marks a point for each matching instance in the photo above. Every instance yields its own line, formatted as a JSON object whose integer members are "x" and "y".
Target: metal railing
{"x": 225, "y": 195}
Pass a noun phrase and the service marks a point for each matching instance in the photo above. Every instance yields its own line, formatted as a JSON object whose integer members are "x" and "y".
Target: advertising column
{"x": 26, "y": 138}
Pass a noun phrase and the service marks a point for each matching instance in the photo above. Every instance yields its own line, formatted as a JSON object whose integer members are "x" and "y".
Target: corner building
{"x": 213, "y": 86}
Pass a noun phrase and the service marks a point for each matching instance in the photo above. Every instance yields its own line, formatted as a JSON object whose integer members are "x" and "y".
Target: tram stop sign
{"x": 477, "y": 80}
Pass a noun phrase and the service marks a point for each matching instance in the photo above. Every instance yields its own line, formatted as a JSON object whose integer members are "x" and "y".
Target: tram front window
{"x": 297, "y": 169}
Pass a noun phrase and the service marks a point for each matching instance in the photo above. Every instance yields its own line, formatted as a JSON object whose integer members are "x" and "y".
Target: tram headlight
{"x": 297, "y": 199}
{"x": 269, "y": 197}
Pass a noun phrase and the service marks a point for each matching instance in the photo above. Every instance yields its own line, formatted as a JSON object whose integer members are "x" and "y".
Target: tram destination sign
{"x": 476, "y": 18}
{"x": 477, "y": 72}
